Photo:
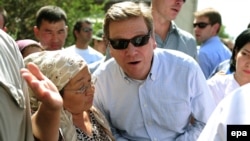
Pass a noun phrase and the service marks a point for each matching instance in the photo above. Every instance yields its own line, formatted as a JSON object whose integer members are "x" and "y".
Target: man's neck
{"x": 162, "y": 26}
{"x": 81, "y": 45}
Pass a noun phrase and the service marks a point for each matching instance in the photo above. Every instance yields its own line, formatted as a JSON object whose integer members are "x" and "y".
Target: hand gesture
{"x": 43, "y": 88}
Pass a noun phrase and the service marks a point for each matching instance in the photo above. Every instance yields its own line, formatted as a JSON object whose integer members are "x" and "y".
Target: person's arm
{"x": 202, "y": 105}
{"x": 45, "y": 122}
{"x": 98, "y": 104}
{"x": 192, "y": 132}
{"x": 204, "y": 62}
{"x": 117, "y": 136}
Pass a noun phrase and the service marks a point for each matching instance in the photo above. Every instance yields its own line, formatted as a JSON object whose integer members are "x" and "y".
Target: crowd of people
{"x": 147, "y": 81}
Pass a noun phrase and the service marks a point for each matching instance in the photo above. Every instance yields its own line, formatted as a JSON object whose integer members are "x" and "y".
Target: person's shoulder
{"x": 171, "y": 53}
{"x": 108, "y": 66}
{"x": 205, "y": 49}
{"x": 11, "y": 58}
{"x": 95, "y": 52}
{"x": 220, "y": 79}
{"x": 184, "y": 34}
{"x": 9, "y": 48}
{"x": 170, "y": 56}
{"x": 69, "y": 47}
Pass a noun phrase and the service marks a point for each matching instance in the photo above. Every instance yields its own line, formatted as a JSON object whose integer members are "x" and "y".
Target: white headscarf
{"x": 60, "y": 68}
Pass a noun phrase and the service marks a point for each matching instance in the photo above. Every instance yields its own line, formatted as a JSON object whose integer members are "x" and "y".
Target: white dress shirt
{"x": 158, "y": 108}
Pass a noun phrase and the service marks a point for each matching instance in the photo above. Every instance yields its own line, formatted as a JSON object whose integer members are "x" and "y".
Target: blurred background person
{"x": 167, "y": 33}
{"x": 98, "y": 42}
{"x": 212, "y": 52}
{"x": 83, "y": 32}
{"x": 51, "y": 28}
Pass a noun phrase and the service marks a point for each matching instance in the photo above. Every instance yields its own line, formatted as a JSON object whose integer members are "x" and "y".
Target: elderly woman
{"x": 222, "y": 85}
{"x": 70, "y": 73}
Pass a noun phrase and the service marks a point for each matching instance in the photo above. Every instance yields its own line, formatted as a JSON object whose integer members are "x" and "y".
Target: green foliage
{"x": 21, "y": 15}
{"x": 223, "y": 33}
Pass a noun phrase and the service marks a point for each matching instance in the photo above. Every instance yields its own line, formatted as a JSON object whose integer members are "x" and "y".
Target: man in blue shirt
{"x": 212, "y": 51}
{"x": 167, "y": 34}
{"x": 148, "y": 93}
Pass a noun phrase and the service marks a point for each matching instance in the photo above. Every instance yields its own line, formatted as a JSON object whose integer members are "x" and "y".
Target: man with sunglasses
{"x": 83, "y": 32}
{"x": 145, "y": 92}
{"x": 167, "y": 33}
{"x": 212, "y": 51}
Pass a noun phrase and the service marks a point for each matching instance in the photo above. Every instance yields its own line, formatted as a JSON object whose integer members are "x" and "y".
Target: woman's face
{"x": 79, "y": 92}
{"x": 242, "y": 73}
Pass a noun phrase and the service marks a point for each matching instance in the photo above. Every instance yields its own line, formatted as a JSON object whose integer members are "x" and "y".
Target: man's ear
{"x": 67, "y": 30}
{"x": 217, "y": 28}
{"x": 36, "y": 31}
{"x": 5, "y": 29}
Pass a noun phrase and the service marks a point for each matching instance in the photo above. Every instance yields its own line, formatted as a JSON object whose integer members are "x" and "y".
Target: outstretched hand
{"x": 44, "y": 89}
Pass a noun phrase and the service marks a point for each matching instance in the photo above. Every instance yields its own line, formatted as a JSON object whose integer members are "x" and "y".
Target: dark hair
{"x": 212, "y": 15}
{"x": 78, "y": 25}
{"x": 51, "y": 14}
{"x": 240, "y": 42}
{"x": 5, "y": 15}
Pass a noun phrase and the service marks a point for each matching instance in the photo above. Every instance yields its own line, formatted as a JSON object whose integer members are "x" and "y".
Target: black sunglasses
{"x": 136, "y": 41}
{"x": 85, "y": 29}
{"x": 201, "y": 25}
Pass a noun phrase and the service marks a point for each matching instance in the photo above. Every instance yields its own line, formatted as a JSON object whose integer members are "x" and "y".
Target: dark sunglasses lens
{"x": 136, "y": 41}
{"x": 87, "y": 29}
{"x": 201, "y": 25}
{"x": 140, "y": 41}
{"x": 119, "y": 44}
